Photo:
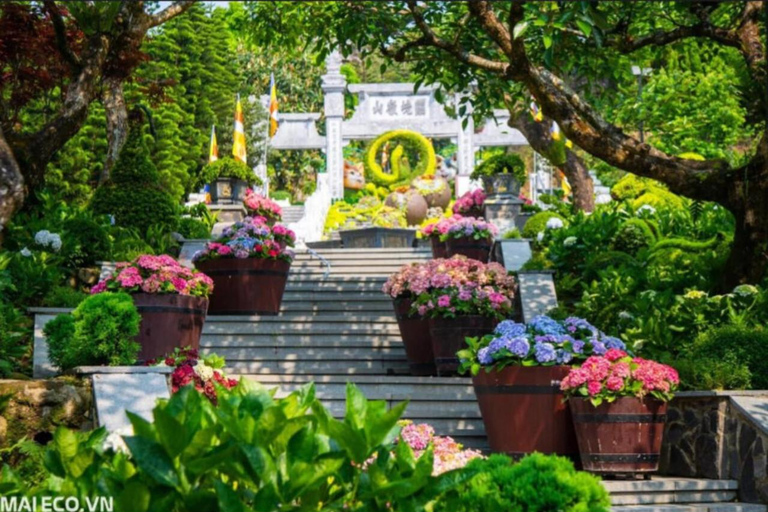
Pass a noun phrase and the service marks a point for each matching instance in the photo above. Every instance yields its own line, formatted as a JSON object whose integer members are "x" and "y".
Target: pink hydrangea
{"x": 250, "y": 238}
{"x": 448, "y": 454}
{"x": 594, "y": 387}
{"x": 262, "y": 206}
{"x": 155, "y": 274}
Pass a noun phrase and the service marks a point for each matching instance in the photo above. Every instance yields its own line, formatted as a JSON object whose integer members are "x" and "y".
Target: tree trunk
{"x": 12, "y": 191}
{"x": 538, "y": 136}
{"x": 117, "y": 123}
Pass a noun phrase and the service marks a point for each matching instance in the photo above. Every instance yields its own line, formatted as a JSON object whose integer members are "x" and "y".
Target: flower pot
{"x": 377, "y": 237}
{"x": 228, "y": 190}
{"x": 475, "y": 211}
{"x": 501, "y": 184}
{"x": 168, "y": 321}
{"x": 414, "y": 330}
{"x": 619, "y": 437}
{"x": 438, "y": 248}
{"x": 448, "y": 337}
{"x": 474, "y": 249}
{"x": 250, "y": 286}
{"x": 523, "y": 411}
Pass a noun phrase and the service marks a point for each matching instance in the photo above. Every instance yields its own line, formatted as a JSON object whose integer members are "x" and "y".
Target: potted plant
{"x": 463, "y": 298}
{"x": 470, "y": 204}
{"x": 229, "y": 178}
{"x": 249, "y": 265}
{"x": 171, "y": 299}
{"x": 433, "y": 231}
{"x": 470, "y": 237}
{"x": 403, "y": 286}
{"x": 619, "y": 406}
{"x": 516, "y": 372}
{"x": 259, "y": 206}
{"x": 501, "y": 174}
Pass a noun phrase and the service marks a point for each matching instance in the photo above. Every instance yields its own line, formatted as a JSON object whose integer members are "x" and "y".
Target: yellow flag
{"x": 565, "y": 186}
{"x": 214, "y": 155}
{"x": 238, "y": 144}
{"x": 273, "y": 124}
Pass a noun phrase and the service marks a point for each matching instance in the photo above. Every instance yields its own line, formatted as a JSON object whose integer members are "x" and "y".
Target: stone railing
{"x": 310, "y": 227}
{"x": 719, "y": 435}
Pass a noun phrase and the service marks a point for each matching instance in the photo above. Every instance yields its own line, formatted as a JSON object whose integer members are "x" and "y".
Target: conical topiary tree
{"x": 133, "y": 194}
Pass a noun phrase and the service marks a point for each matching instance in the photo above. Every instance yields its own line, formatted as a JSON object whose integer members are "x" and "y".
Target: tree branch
{"x": 629, "y": 44}
{"x": 170, "y": 12}
{"x": 61, "y": 35}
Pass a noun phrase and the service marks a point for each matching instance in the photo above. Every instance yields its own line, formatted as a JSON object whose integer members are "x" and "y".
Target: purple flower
{"x": 612, "y": 342}
{"x": 545, "y": 325}
{"x": 496, "y": 345}
{"x": 563, "y": 356}
{"x": 544, "y": 352}
{"x": 578, "y": 346}
{"x": 510, "y": 328}
{"x": 519, "y": 346}
{"x": 484, "y": 356}
{"x": 465, "y": 295}
{"x": 598, "y": 347}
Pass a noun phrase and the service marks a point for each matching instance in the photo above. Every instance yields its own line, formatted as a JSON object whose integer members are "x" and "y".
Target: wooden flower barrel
{"x": 168, "y": 321}
{"x": 475, "y": 211}
{"x": 619, "y": 437}
{"x": 438, "y": 248}
{"x": 414, "y": 330}
{"x": 474, "y": 249}
{"x": 523, "y": 411}
{"x": 249, "y": 286}
{"x": 448, "y": 337}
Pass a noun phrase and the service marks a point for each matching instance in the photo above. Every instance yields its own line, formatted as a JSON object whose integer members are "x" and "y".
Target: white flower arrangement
{"x": 45, "y": 238}
{"x": 203, "y": 371}
{"x": 555, "y": 223}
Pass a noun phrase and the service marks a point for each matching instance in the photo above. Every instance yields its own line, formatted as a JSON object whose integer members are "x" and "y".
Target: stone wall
{"x": 721, "y": 436}
{"x": 34, "y": 408}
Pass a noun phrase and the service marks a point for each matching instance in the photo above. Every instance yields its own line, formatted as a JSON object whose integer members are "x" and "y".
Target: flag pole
{"x": 265, "y": 185}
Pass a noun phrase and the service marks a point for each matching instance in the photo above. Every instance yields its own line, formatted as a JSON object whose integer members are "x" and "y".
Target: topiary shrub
{"x": 633, "y": 235}
{"x": 100, "y": 331}
{"x": 228, "y": 168}
{"x": 658, "y": 198}
{"x": 193, "y": 229}
{"x": 644, "y": 191}
{"x": 85, "y": 242}
{"x": 538, "y": 483}
{"x": 507, "y": 163}
{"x": 745, "y": 345}
{"x": 133, "y": 194}
{"x": 426, "y": 164}
{"x": 538, "y": 223}
{"x": 705, "y": 373}
{"x": 631, "y": 186}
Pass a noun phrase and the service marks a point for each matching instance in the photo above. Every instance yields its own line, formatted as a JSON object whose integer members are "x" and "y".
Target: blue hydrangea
{"x": 598, "y": 347}
{"x": 510, "y": 328}
{"x": 519, "y": 346}
{"x": 544, "y": 352}
{"x": 612, "y": 342}
{"x": 573, "y": 324}
{"x": 496, "y": 345}
{"x": 578, "y": 346}
{"x": 545, "y": 325}
{"x": 484, "y": 356}
{"x": 563, "y": 356}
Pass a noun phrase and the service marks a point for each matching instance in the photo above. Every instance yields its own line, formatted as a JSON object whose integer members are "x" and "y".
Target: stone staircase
{"x": 338, "y": 328}
{"x": 292, "y": 214}
{"x": 676, "y": 494}
{"x": 602, "y": 193}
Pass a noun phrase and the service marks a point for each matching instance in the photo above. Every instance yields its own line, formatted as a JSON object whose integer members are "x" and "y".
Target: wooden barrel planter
{"x": 414, "y": 330}
{"x": 619, "y": 437}
{"x": 438, "y": 248}
{"x": 249, "y": 286}
{"x": 475, "y": 211}
{"x": 168, "y": 321}
{"x": 523, "y": 411}
{"x": 448, "y": 337}
{"x": 474, "y": 249}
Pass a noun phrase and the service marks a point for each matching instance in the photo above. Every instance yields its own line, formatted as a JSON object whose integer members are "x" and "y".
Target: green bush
{"x": 745, "y": 346}
{"x": 658, "y": 198}
{"x": 630, "y": 187}
{"x": 228, "y": 167}
{"x": 13, "y": 345}
{"x": 133, "y": 194}
{"x": 100, "y": 331}
{"x": 538, "y": 483}
{"x": 507, "y": 163}
{"x": 633, "y": 235}
{"x": 281, "y": 195}
{"x": 85, "y": 242}
{"x": 705, "y": 373}
{"x": 193, "y": 229}
{"x": 538, "y": 223}
{"x": 63, "y": 297}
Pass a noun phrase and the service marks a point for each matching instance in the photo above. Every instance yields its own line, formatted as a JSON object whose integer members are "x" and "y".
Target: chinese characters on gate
{"x": 396, "y": 107}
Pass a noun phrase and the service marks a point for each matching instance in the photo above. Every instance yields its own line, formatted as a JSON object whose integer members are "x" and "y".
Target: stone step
{"x": 280, "y": 329}
{"x": 692, "y": 507}
{"x": 327, "y": 306}
{"x": 367, "y": 366}
{"x": 304, "y": 354}
{"x": 356, "y": 319}
{"x": 258, "y": 338}
{"x": 662, "y": 491}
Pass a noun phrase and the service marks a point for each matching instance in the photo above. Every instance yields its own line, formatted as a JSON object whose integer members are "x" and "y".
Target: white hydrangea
{"x": 570, "y": 241}
{"x": 26, "y": 252}
{"x": 626, "y": 315}
{"x": 646, "y": 208}
{"x": 540, "y": 236}
{"x": 203, "y": 371}
{"x": 115, "y": 442}
{"x": 45, "y": 238}
{"x": 555, "y": 223}
{"x": 745, "y": 290}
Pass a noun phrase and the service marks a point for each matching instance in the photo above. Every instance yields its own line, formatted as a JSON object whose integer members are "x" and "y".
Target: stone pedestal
{"x": 513, "y": 253}
{"x": 228, "y": 212}
{"x": 502, "y": 212}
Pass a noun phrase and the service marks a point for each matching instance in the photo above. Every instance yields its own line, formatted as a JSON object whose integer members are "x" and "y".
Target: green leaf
{"x": 229, "y": 501}
{"x": 383, "y": 429}
{"x": 519, "y": 29}
{"x": 153, "y": 460}
{"x": 585, "y": 27}
{"x": 547, "y": 41}
{"x": 357, "y": 407}
{"x": 134, "y": 497}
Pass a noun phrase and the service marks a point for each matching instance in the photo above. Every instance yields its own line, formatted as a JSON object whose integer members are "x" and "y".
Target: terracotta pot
{"x": 474, "y": 249}
{"x": 438, "y": 248}
{"x": 619, "y": 437}
{"x": 414, "y": 330}
{"x": 523, "y": 411}
{"x": 168, "y": 321}
{"x": 448, "y": 337}
{"x": 250, "y": 286}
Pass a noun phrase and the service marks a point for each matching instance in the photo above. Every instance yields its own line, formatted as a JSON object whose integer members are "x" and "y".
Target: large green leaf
{"x": 151, "y": 458}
